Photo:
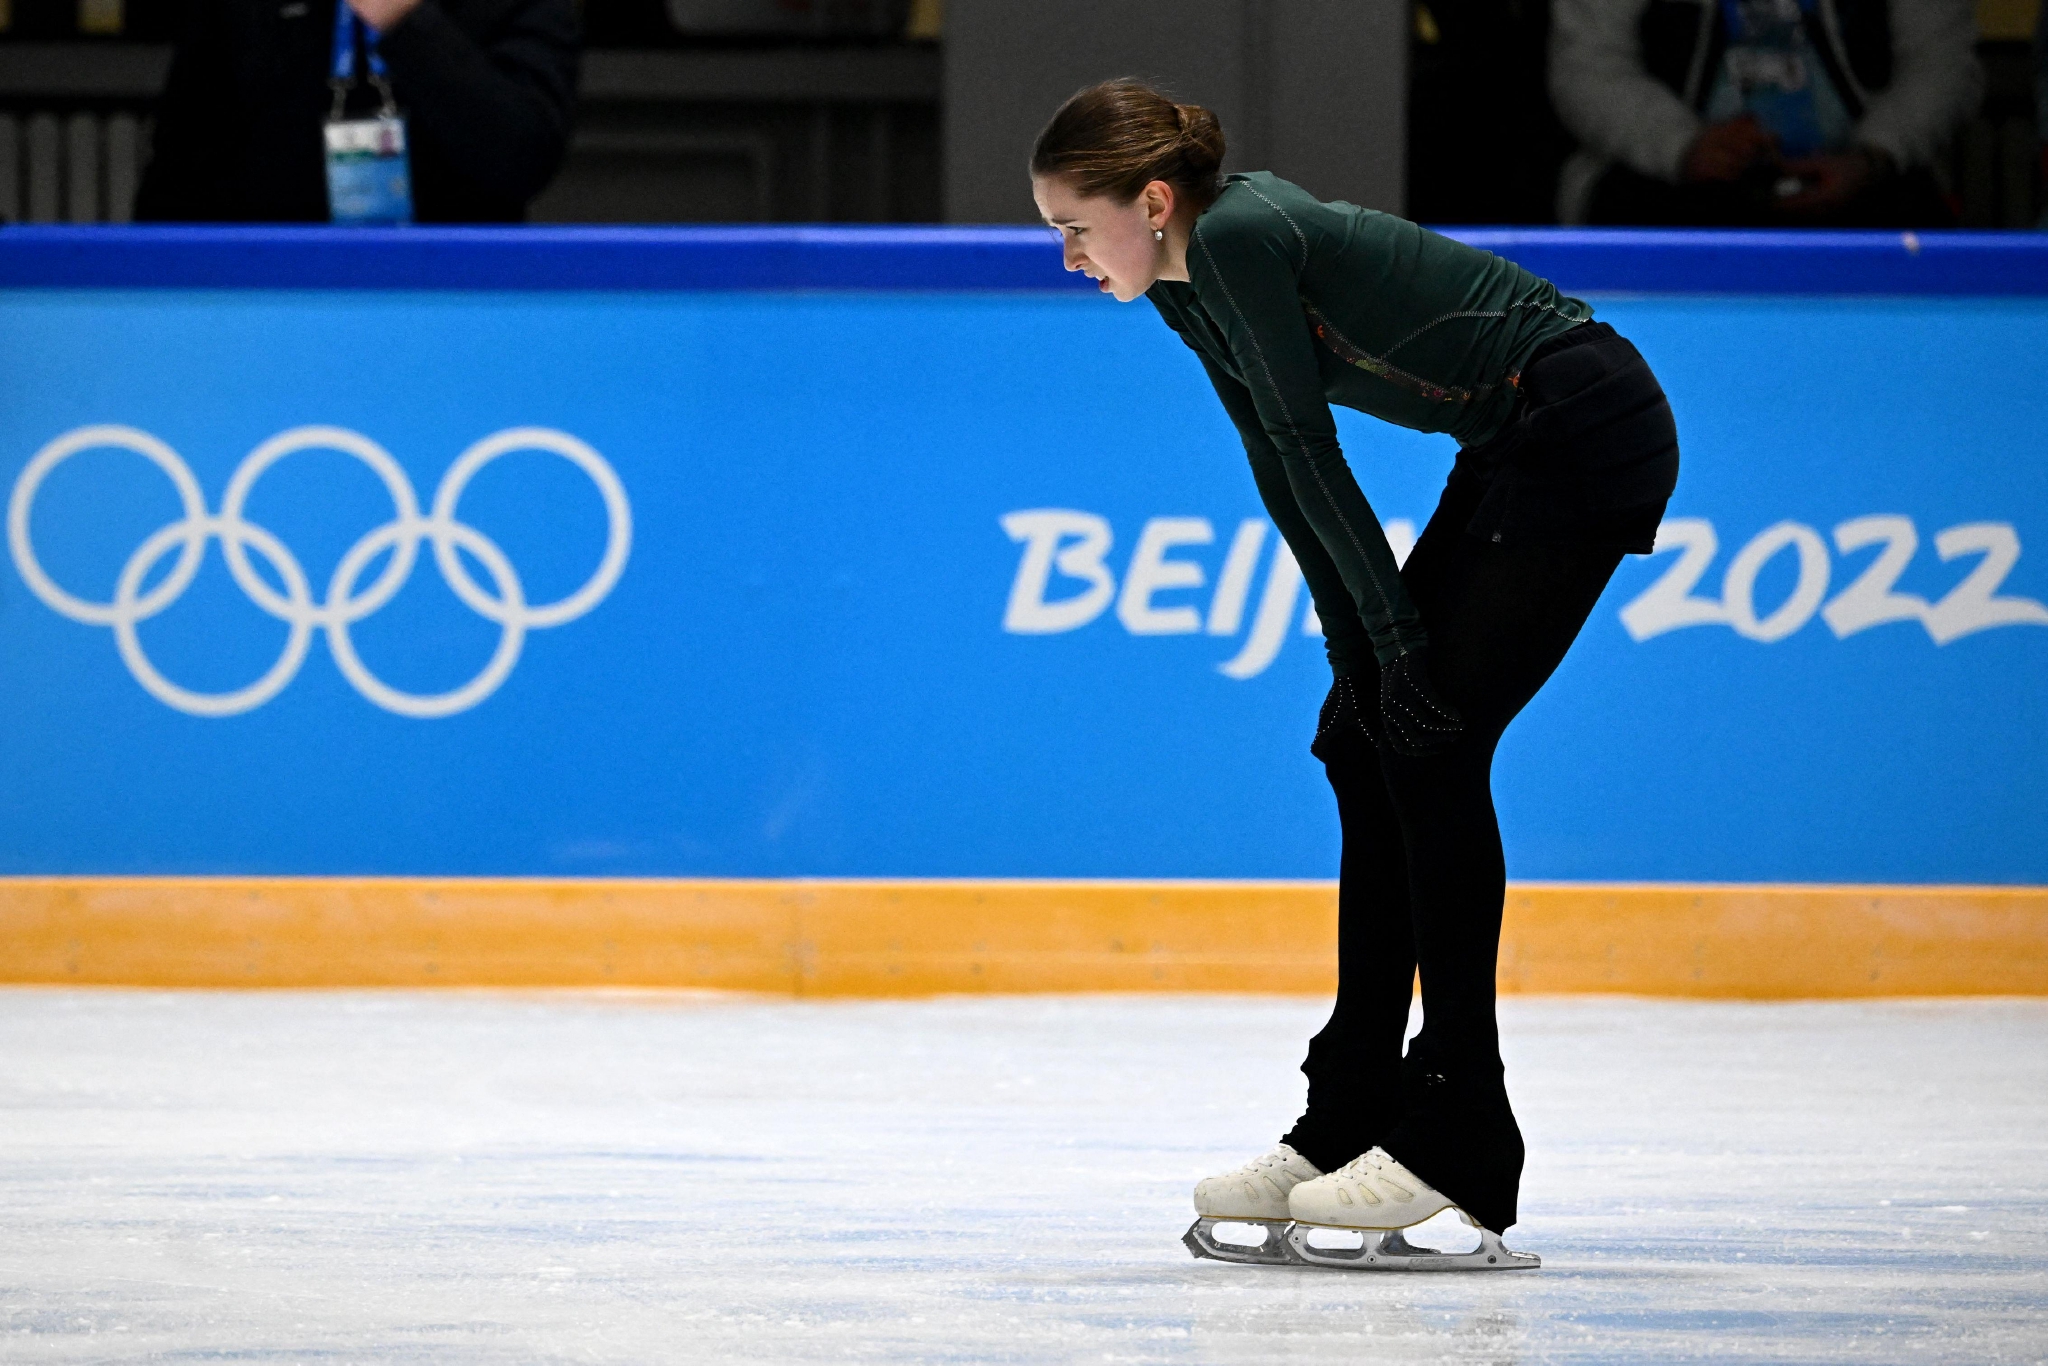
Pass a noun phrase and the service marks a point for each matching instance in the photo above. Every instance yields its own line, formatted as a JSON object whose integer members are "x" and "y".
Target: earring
{"x": 1159, "y": 234}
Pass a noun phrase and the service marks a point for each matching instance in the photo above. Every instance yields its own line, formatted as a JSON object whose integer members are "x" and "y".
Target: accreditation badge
{"x": 369, "y": 175}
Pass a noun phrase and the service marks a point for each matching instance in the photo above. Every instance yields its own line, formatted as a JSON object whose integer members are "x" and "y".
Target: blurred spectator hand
{"x": 383, "y": 15}
{"x": 1726, "y": 151}
{"x": 1834, "y": 180}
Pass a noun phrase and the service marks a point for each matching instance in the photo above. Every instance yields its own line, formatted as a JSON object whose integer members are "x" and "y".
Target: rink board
{"x": 929, "y": 567}
{"x": 848, "y": 938}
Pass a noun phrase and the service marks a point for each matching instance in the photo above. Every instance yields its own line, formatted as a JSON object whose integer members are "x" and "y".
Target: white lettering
{"x": 1975, "y": 604}
{"x": 1042, "y": 530}
{"x": 1076, "y": 545}
{"x": 1669, "y": 604}
{"x": 1151, "y": 572}
{"x": 1870, "y": 600}
{"x": 1738, "y": 589}
{"x": 1400, "y": 535}
{"x": 1269, "y": 627}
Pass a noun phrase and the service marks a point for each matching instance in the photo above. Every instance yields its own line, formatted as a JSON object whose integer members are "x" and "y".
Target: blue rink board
{"x": 930, "y": 257}
{"x": 803, "y": 668}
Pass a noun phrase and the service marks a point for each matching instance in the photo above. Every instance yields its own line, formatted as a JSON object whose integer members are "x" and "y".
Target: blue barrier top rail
{"x": 954, "y": 258}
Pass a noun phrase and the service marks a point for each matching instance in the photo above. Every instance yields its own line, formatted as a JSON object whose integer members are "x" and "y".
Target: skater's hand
{"x": 1418, "y": 722}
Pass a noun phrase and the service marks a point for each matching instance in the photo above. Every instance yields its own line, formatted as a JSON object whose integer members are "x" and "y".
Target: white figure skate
{"x": 1379, "y": 1199}
{"x": 1252, "y": 1198}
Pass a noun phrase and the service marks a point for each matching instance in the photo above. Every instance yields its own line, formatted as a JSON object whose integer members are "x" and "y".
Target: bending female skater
{"x": 1567, "y": 455}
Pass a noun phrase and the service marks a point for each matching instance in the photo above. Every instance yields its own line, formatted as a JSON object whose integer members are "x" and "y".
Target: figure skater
{"x": 1567, "y": 455}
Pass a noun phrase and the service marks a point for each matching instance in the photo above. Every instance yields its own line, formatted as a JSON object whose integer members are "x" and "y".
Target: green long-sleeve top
{"x": 1293, "y": 305}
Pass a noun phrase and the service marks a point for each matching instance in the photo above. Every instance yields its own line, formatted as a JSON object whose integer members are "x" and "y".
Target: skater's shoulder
{"x": 1258, "y": 209}
{"x": 1251, "y": 204}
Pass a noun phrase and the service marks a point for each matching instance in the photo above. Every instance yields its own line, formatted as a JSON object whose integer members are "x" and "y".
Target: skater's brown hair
{"x": 1118, "y": 137}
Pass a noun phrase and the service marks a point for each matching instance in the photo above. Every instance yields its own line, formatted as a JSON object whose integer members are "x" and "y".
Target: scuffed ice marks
{"x": 400, "y": 1178}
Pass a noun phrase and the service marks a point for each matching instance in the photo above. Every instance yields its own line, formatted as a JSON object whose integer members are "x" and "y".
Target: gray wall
{"x": 1314, "y": 90}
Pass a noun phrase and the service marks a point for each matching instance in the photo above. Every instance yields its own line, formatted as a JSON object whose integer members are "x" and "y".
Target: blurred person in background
{"x": 1761, "y": 112}
{"x": 2041, "y": 104}
{"x": 482, "y": 92}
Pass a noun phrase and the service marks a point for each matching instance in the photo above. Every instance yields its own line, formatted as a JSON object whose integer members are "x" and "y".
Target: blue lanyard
{"x": 346, "y": 26}
{"x": 1734, "y": 24}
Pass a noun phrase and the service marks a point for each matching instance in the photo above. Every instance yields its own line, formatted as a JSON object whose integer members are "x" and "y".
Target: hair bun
{"x": 1201, "y": 137}
{"x": 1117, "y": 137}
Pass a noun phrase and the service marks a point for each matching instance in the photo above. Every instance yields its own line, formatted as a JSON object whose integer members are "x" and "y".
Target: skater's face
{"x": 1111, "y": 243}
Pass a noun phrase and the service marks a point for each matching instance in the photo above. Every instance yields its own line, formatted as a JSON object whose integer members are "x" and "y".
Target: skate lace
{"x": 1376, "y": 1164}
{"x": 1279, "y": 1157}
{"x": 1358, "y": 1166}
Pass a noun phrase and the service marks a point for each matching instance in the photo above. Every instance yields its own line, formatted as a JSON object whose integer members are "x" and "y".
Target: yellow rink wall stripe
{"x": 909, "y": 938}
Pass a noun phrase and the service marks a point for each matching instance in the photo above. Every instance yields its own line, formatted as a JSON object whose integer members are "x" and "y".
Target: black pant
{"x": 1423, "y": 878}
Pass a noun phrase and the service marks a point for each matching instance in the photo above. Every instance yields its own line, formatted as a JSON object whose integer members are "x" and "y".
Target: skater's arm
{"x": 1246, "y": 272}
{"x": 1344, "y": 636}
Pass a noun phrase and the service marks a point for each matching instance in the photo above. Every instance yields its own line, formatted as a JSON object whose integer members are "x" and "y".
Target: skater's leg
{"x": 1354, "y": 1063}
{"x": 1500, "y": 620}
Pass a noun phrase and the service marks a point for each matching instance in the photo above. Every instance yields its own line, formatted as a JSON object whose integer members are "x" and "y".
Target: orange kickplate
{"x": 913, "y": 938}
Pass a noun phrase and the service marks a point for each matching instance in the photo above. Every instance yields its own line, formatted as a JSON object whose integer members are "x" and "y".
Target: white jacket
{"x": 1621, "y": 113}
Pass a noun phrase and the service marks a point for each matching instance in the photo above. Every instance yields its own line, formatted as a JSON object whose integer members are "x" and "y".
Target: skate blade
{"x": 1201, "y": 1240}
{"x": 1388, "y": 1250}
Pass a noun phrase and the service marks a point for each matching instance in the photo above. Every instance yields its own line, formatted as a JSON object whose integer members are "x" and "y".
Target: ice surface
{"x": 455, "y": 1177}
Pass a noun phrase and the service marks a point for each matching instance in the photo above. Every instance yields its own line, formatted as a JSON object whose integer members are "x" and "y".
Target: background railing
{"x": 817, "y": 126}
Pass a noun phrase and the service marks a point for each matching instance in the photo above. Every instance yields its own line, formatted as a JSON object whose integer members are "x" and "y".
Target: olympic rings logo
{"x": 344, "y": 603}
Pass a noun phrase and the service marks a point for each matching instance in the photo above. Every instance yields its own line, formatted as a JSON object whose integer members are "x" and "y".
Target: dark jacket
{"x": 487, "y": 88}
{"x": 1294, "y": 304}
{"x": 1684, "y": 41}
